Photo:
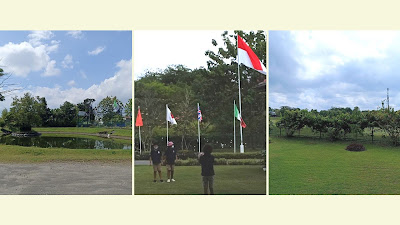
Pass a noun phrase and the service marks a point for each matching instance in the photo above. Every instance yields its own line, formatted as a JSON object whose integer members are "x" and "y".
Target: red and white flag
{"x": 170, "y": 117}
{"x": 248, "y": 57}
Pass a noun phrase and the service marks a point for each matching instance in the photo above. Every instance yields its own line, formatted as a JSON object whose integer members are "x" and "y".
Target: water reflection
{"x": 63, "y": 142}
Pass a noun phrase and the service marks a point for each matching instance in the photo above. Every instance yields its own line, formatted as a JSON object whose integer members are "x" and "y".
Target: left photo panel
{"x": 66, "y": 112}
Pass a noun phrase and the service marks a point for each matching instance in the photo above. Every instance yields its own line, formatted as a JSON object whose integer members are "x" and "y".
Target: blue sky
{"x": 324, "y": 69}
{"x": 68, "y": 65}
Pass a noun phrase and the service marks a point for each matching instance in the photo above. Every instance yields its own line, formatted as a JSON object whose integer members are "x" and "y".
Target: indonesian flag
{"x": 170, "y": 117}
{"x": 139, "y": 121}
{"x": 248, "y": 57}
{"x": 239, "y": 117}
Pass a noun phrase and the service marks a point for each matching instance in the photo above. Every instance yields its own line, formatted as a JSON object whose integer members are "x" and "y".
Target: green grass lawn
{"x": 312, "y": 166}
{"x": 19, "y": 154}
{"x": 126, "y": 132}
{"x": 228, "y": 180}
{"x": 116, "y": 140}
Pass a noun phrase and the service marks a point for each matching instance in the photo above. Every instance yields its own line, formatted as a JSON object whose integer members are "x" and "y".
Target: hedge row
{"x": 222, "y": 161}
{"x": 185, "y": 154}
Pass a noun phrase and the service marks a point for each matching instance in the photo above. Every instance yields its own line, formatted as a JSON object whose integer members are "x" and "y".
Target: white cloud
{"x": 175, "y": 47}
{"x": 77, "y": 34}
{"x": 321, "y": 52}
{"x": 97, "y": 51}
{"x": 120, "y": 85}
{"x": 51, "y": 69}
{"x": 36, "y": 37}
{"x": 20, "y": 59}
{"x": 67, "y": 62}
{"x": 83, "y": 74}
{"x": 53, "y": 47}
{"x": 71, "y": 83}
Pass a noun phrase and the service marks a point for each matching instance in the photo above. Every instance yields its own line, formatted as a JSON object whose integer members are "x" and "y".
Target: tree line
{"x": 336, "y": 123}
{"x": 28, "y": 111}
{"x": 214, "y": 88}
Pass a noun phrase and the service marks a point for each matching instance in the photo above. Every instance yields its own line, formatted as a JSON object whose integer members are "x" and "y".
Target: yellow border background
{"x": 206, "y": 14}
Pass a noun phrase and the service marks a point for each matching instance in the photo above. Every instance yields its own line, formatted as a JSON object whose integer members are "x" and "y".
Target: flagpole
{"x": 240, "y": 101}
{"x": 198, "y": 124}
{"x": 234, "y": 128}
{"x": 166, "y": 111}
{"x": 140, "y": 139}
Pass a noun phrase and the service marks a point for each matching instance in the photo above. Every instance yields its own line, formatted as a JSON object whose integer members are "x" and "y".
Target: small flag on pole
{"x": 170, "y": 117}
{"x": 139, "y": 121}
{"x": 199, "y": 116}
{"x": 239, "y": 117}
{"x": 249, "y": 58}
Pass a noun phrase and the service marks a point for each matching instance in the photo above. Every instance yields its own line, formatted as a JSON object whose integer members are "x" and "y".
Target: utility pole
{"x": 388, "y": 98}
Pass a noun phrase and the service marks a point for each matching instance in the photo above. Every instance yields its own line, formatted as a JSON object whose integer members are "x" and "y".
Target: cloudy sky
{"x": 324, "y": 69}
{"x": 67, "y": 65}
{"x": 155, "y": 50}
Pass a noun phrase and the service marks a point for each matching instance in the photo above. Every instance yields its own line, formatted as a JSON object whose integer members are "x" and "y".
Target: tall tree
{"x": 108, "y": 108}
{"x": 24, "y": 113}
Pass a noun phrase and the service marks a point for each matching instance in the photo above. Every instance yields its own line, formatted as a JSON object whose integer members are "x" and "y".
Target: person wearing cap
{"x": 207, "y": 169}
{"x": 155, "y": 159}
{"x": 170, "y": 157}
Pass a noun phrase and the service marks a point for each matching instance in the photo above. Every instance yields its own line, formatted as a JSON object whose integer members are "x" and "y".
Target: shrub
{"x": 221, "y": 161}
{"x": 355, "y": 147}
{"x": 247, "y": 155}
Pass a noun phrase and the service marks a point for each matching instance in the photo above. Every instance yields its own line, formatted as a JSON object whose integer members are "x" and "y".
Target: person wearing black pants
{"x": 207, "y": 169}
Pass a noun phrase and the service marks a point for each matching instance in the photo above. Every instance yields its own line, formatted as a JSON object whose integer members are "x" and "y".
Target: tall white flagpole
{"x": 140, "y": 139}
{"x": 234, "y": 128}
{"x": 166, "y": 111}
{"x": 240, "y": 101}
{"x": 198, "y": 123}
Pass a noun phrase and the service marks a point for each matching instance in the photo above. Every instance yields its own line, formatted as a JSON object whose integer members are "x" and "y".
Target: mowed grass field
{"x": 228, "y": 180}
{"x": 125, "y": 132}
{"x": 302, "y": 165}
{"x": 19, "y": 154}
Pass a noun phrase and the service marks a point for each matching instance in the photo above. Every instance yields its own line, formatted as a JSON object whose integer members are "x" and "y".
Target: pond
{"x": 63, "y": 142}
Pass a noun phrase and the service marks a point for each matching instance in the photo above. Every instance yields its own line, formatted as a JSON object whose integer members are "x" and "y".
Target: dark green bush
{"x": 354, "y": 147}
{"x": 221, "y": 161}
{"x": 247, "y": 155}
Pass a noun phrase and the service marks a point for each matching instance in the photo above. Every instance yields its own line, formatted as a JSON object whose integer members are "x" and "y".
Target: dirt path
{"x": 90, "y": 134}
{"x": 66, "y": 178}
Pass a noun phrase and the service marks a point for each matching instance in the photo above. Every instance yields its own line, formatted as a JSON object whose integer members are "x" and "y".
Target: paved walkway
{"x": 66, "y": 178}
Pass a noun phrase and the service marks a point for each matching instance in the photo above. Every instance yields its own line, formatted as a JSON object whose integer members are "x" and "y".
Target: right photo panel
{"x": 334, "y": 119}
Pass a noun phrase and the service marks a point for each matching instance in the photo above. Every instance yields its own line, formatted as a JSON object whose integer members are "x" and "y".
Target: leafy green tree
{"x": 389, "y": 121}
{"x": 292, "y": 121}
{"x": 24, "y": 113}
{"x": 86, "y": 106}
{"x": 68, "y": 113}
{"x": 128, "y": 108}
{"x": 108, "y": 110}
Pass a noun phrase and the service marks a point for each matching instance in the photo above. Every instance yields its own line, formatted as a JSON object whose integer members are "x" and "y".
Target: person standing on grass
{"x": 170, "y": 157}
{"x": 207, "y": 169}
{"x": 155, "y": 158}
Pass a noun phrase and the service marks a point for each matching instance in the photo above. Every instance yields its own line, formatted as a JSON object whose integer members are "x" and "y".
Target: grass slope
{"x": 228, "y": 180}
{"x": 313, "y": 166}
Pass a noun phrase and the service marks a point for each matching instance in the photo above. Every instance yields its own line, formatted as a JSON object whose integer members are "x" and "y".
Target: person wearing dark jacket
{"x": 170, "y": 157}
{"x": 155, "y": 159}
{"x": 207, "y": 169}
